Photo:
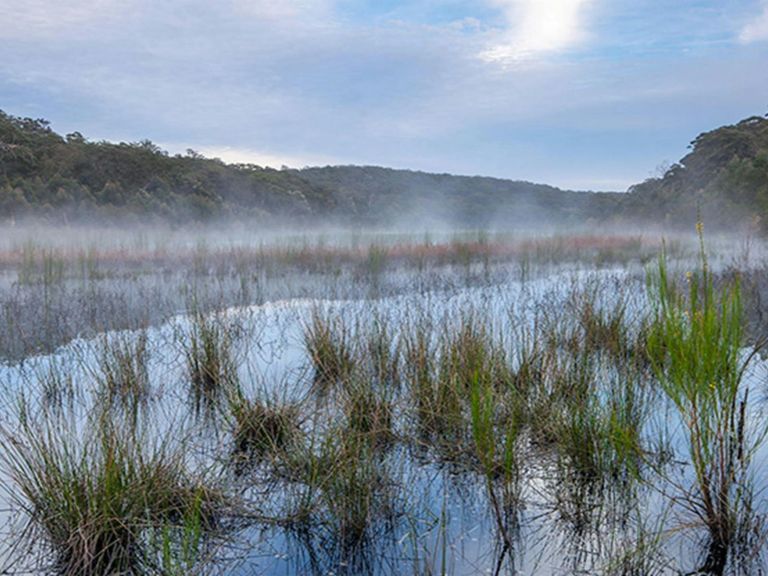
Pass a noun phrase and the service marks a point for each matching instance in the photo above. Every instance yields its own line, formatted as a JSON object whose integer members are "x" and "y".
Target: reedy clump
{"x": 210, "y": 363}
{"x": 96, "y": 506}
{"x": 695, "y": 347}
{"x": 262, "y": 427}
{"x": 123, "y": 364}
{"x": 327, "y": 340}
{"x": 368, "y": 409}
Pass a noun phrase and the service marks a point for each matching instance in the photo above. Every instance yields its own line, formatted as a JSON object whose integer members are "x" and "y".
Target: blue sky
{"x": 588, "y": 94}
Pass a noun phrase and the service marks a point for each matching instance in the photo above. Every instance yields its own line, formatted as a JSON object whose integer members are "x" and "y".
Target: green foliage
{"x": 68, "y": 178}
{"x": 95, "y": 503}
{"x": 65, "y": 179}
{"x": 695, "y": 347}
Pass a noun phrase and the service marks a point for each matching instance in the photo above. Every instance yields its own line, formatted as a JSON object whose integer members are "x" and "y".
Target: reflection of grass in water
{"x": 355, "y": 493}
{"x": 57, "y": 387}
{"x": 495, "y": 445}
{"x": 642, "y": 555}
{"x": 340, "y": 494}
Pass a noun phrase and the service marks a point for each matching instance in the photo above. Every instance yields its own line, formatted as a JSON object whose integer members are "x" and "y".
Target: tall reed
{"x": 695, "y": 346}
{"x": 495, "y": 445}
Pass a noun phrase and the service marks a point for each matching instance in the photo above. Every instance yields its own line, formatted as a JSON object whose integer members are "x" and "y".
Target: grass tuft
{"x": 262, "y": 428}
{"x": 208, "y": 351}
{"x": 695, "y": 346}
{"x": 124, "y": 374}
{"x": 328, "y": 343}
{"x": 94, "y": 505}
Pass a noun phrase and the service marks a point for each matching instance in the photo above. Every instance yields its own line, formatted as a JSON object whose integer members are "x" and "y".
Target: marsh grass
{"x": 124, "y": 280}
{"x": 495, "y": 446}
{"x": 470, "y": 351}
{"x": 328, "y": 342}
{"x": 601, "y": 327}
{"x": 374, "y": 266}
{"x": 421, "y": 381}
{"x": 94, "y": 501}
{"x": 600, "y": 441}
{"x": 44, "y": 266}
{"x": 210, "y": 361}
{"x": 483, "y": 397}
{"x": 369, "y": 410}
{"x": 383, "y": 353}
{"x": 355, "y": 492}
{"x": 695, "y": 344}
{"x": 565, "y": 385}
{"x": 340, "y": 487}
{"x": 442, "y": 365}
{"x": 123, "y": 369}
{"x": 262, "y": 427}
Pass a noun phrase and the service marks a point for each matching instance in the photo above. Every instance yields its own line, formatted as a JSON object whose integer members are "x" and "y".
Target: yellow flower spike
{"x": 699, "y": 227}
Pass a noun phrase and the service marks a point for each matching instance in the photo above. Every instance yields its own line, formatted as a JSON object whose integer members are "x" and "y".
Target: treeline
{"x": 69, "y": 178}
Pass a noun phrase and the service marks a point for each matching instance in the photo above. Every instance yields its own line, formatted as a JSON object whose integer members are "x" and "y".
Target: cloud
{"x": 283, "y": 9}
{"x": 537, "y": 27}
{"x": 47, "y": 18}
{"x": 757, "y": 29}
{"x": 50, "y": 17}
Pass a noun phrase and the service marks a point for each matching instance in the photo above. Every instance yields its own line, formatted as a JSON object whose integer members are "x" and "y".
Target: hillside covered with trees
{"x": 70, "y": 178}
{"x": 724, "y": 177}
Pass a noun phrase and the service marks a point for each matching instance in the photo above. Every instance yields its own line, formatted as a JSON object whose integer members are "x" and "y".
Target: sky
{"x": 582, "y": 94}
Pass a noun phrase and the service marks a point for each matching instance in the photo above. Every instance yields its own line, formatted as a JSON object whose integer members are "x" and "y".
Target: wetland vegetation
{"x": 176, "y": 402}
